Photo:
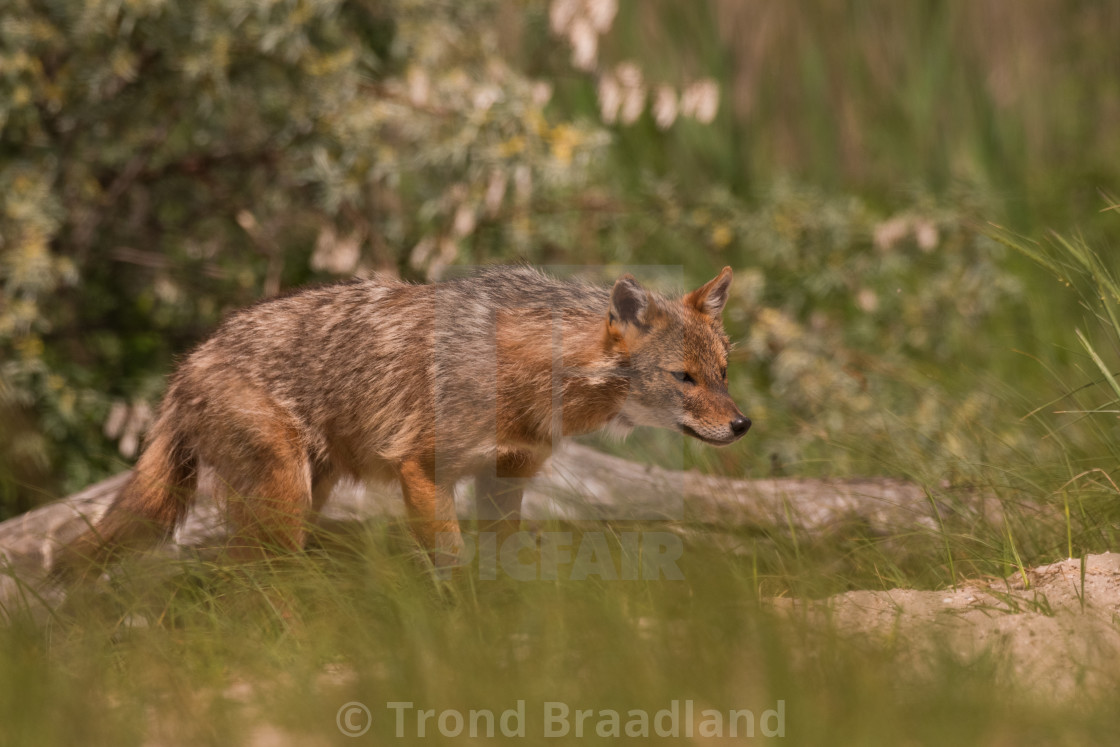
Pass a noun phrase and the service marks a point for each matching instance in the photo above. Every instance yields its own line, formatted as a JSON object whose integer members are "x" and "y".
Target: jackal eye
{"x": 684, "y": 376}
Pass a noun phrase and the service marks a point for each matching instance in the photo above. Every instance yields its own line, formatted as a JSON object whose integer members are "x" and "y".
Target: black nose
{"x": 740, "y": 425}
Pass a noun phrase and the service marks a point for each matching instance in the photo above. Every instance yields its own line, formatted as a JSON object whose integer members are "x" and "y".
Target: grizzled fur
{"x": 425, "y": 384}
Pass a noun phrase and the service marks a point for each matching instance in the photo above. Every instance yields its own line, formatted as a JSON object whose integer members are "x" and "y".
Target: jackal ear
{"x": 711, "y": 297}
{"x": 629, "y": 302}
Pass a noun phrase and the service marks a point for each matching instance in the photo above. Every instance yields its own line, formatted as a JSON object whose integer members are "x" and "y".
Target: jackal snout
{"x": 740, "y": 425}
{"x": 727, "y": 417}
{"x": 719, "y": 429}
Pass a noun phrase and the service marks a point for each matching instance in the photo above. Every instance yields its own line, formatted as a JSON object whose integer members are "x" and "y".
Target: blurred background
{"x": 162, "y": 163}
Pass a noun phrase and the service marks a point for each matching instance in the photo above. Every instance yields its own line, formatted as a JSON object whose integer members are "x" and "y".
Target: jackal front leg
{"x": 498, "y": 492}
{"x": 431, "y": 513}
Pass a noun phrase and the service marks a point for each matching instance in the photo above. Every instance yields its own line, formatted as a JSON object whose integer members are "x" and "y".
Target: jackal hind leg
{"x": 323, "y": 531}
{"x": 268, "y": 488}
{"x": 431, "y": 513}
{"x": 323, "y": 481}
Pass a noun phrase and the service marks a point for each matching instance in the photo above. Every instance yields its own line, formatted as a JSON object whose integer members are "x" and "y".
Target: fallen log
{"x": 579, "y": 484}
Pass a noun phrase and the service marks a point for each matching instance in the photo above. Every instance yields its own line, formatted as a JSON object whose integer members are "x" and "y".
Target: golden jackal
{"x": 426, "y": 384}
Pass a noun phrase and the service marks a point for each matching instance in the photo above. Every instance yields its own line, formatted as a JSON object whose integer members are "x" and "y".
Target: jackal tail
{"x": 144, "y": 513}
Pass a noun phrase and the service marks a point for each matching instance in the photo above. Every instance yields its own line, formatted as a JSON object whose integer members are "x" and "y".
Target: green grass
{"x": 193, "y": 654}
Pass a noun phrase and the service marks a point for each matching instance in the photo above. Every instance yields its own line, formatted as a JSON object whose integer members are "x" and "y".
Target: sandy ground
{"x": 1058, "y": 630}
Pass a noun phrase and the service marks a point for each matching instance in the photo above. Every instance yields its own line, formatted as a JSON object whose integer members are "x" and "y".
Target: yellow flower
{"x": 722, "y": 235}
{"x": 563, "y": 140}
{"x": 512, "y": 147}
{"x": 30, "y": 347}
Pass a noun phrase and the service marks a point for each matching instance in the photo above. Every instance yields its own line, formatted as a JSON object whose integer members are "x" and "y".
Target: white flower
{"x": 601, "y": 14}
{"x": 336, "y": 254}
{"x": 495, "y": 192}
{"x": 701, "y": 100}
{"x": 867, "y": 300}
{"x": 890, "y": 232}
{"x": 485, "y": 97}
{"x": 633, "y": 102}
{"x": 560, "y": 15}
{"x": 610, "y": 98}
{"x": 629, "y": 74}
{"x": 585, "y": 44}
{"x": 665, "y": 107}
{"x": 464, "y": 221}
{"x": 421, "y": 252}
{"x": 925, "y": 233}
{"x": 542, "y": 92}
{"x": 419, "y": 86}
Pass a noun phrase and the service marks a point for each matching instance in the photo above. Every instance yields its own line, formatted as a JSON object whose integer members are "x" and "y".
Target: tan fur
{"x": 425, "y": 384}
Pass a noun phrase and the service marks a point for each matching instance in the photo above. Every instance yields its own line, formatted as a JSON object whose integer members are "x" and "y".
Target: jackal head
{"x": 677, "y": 353}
